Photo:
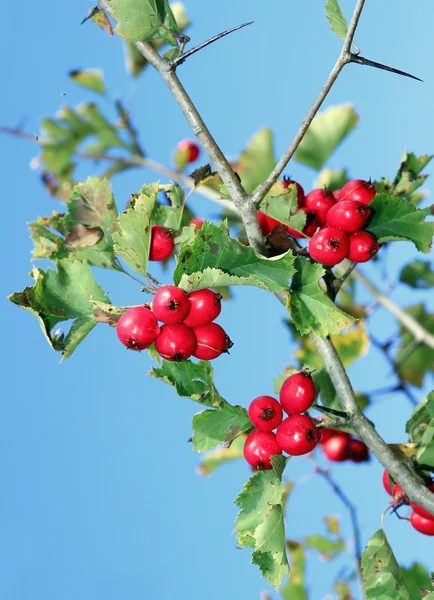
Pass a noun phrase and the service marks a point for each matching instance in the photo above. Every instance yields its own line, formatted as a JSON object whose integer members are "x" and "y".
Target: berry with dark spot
{"x": 259, "y": 447}
{"x": 137, "y": 328}
{"x": 170, "y": 304}
{"x": 297, "y": 435}
{"x": 265, "y": 413}
{"x": 175, "y": 342}
{"x": 162, "y": 243}
{"x": 329, "y": 246}
{"x": 358, "y": 190}
{"x": 212, "y": 340}
{"x": 362, "y": 246}
{"x": 320, "y": 202}
{"x": 348, "y": 215}
{"x": 205, "y": 307}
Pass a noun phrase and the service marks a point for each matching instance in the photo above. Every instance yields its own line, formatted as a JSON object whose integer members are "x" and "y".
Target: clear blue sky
{"x": 100, "y": 498}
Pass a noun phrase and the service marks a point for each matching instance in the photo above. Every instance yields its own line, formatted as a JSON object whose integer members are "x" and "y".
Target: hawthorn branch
{"x": 345, "y": 57}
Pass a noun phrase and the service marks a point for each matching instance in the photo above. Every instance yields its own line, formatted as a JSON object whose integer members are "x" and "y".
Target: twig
{"x": 126, "y": 120}
{"x": 343, "y": 59}
{"x": 407, "y": 321}
{"x": 353, "y": 516}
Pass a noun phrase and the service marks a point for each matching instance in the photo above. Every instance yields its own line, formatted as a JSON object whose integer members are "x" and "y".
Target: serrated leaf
{"x": 336, "y": 19}
{"x": 239, "y": 265}
{"x": 260, "y": 525}
{"x": 382, "y": 576}
{"x": 214, "y": 427}
{"x": 92, "y": 79}
{"x": 281, "y": 204}
{"x": 408, "y": 179}
{"x": 61, "y": 295}
{"x": 92, "y": 204}
{"x": 328, "y": 129}
{"x": 295, "y": 588}
{"x": 421, "y": 360}
{"x": 415, "y": 577}
{"x": 220, "y": 455}
{"x": 422, "y": 413}
{"x": 256, "y": 161}
{"x": 133, "y": 235}
{"x": 144, "y": 20}
{"x": 107, "y": 313}
{"x": 395, "y": 219}
{"x": 418, "y": 275}
{"x": 311, "y": 309}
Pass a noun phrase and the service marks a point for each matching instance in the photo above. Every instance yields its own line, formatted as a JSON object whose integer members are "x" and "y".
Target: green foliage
{"x": 215, "y": 257}
{"x": 91, "y": 79}
{"x": 423, "y": 414}
{"x": 145, "y": 20}
{"x": 415, "y": 360}
{"x": 214, "y": 427}
{"x": 282, "y": 204}
{"x": 328, "y": 129}
{"x": 382, "y": 576}
{"x": 336, "y": 19}
{"x": 59, "y": 296}
{"x": 332, "y": 179}
{"x": 395, "y": 219}
{"x": 328, "y": 394}
{"x": 311, "y": 309}
{"x": 418, "y": 275}
{"x": 409, "y": 177}
{"x": 416, "y": 578}
{"x": 328, "y": 548}
{"x": 295, "y": 588}
{"x": 259, "y": 523}
{"x": 256, "y": 161}
{"x": 220, "y": 455}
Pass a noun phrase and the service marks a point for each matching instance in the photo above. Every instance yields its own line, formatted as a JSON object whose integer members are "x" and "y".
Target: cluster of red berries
{"x": 187, "y": 330}
{"x": 296, "y": 435}
{"x": 334, "y": 222}
{"x": 420, "y": 519}
{"x": 339, "y": 446}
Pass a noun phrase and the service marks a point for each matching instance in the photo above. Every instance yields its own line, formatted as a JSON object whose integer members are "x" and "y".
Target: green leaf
{"x": 418, "y": 275}
{"x": 170, "y": 216}
{"x": 311, "y": 309}
{"x": 260, "y": 525}
{"x": 328, "y": 129}
{"x": 59, "y": 296}
{"x": 327, "y": 547}
{"x": 421, "y": 359}
{"x": 343, "y": 590}
{"x": 238, "y": 265}
{"x": 295, "y": 588}
{"x": 133, "y": 235}
{"x": 382, "y": 576}
{"x": 91, "y": 79}
{"x": 416, "y": 577}
{"x": 425, "y": 452}
{"x": 220, "y": 455}
{"x": 395, "y": 219}
{"x": 422, "y": 413}
{"x": 143, "y": 20}
{"x": 257, "y": 160}
{"x": 282, "y": 204}
{"x": 408, "y": 178}
{"x": 214, "y": 427}
{"x": 332, "y": 179}
{"x": 328, "y": 394}
{"x": 336, "y": 19}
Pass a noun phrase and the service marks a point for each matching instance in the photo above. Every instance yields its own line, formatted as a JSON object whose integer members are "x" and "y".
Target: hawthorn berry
{"x": 320, "y": 201}
{"x": 297, "y": 393}
{"x": 175, "y": 342}
{"x": 197, "y": 222}
{"x": 328, "y": 432}
{"x": 162, "y": 243}
{"x": 358, "y": 190}
{"x": 310, "y": 226}
{"x": 259, "y": 447}
{"x": 348, "y": 215}
{"x": 137, "y": 328}
{"x": 190, "y": 148}
{"x": 421, "y": 511}
{"x": 212, "y": 340}
{"x": 297, "y": 435}
{"x": 265, "y": 413}
{"x": 397, "y": 490}
{"x": 421, "y": 524}
{"x": 205, "y": 306}
{"x": 266, "y": 223}
{"x": 362, "y": 246}
{"x": 287, "y": 181}
{"x": 358, "y": 451}
{"x": 329, "y": 246}
{"x": 337, "y": 448}
{"x": 170, "y": 304}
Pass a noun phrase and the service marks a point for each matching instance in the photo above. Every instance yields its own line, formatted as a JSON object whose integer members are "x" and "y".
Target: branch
{"x": 420, "y": 334}
{"x": 343, "y": 59}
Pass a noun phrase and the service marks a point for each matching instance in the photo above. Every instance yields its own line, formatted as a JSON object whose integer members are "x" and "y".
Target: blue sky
{"x": 100, "y": 496}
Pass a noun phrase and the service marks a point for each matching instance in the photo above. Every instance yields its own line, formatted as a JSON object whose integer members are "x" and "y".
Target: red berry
{"x": 212, "y": 340}
{"x": 265, "y": 413}
{"x": 175, "y": 342}
{"x": 297, "y": 435}
{"x": 348, "y": 215}
{"x": 259, "y": 447}
{"x": 358, "y": 190}
{"x": 337, "y": 448}
{"x": 329, "y": 246}
{"x": 358, "y": 451}
{"x": 190, "y": 148}
{"x": 170, "y": 304}
{"x": 266, "y": 223}
{"x": 287, "y": 181}
{"x": 197, "y": 222}
{"x": 137, "y": 328}
{"x": 320, "y": 202}
{"x": 205, "y": 306}
{"x": 297, "y": 393}
{"x": 386, "y": 482}
{"x": 421, "y": 524}
{"x": 337, "y": 194}
{"x": 362, "y": 246}
{"x": 310, "y": 227}
{"x": 421, "y": 511}
{"x": 162, "y": 243}
{"x": 327, "y": 433}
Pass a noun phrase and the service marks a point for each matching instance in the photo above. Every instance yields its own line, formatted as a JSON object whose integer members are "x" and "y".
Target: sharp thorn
{"x": 360, "y": 60}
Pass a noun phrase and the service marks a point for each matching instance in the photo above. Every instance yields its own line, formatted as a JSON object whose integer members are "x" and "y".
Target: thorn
{"x": 182, "y": 57}
{"x": 360, "y": 60}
